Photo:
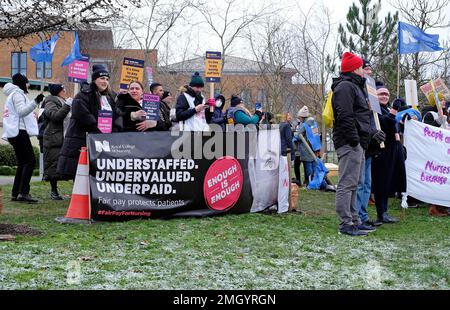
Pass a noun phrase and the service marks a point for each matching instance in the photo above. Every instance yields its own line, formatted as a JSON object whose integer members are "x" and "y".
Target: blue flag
{"x": 75, "y": 53}
{"x": 43, "y": 51}
{"x": 413, "y": 40}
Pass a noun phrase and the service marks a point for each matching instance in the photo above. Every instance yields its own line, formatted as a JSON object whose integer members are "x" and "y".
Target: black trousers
{"x": 381, "y": 204}
{"x": 26, "y": 162}
{"x": 297, "y": 173}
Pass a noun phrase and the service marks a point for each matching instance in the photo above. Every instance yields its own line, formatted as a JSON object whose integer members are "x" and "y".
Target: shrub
{"x": 6, "y": 170}
{"x": 8, "y": 157}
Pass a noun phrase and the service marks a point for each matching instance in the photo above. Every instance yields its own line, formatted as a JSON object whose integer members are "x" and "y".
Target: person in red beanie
{"x": 351, "y": 136}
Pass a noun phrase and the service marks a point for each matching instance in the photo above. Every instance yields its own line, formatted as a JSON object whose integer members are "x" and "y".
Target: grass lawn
{"x": 252, "y": 251}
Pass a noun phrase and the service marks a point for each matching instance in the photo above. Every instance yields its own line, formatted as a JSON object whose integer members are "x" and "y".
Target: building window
{"x": 262, "y": 96}
{"x": 18, "y": 63}
{"x": 44, "y": 67}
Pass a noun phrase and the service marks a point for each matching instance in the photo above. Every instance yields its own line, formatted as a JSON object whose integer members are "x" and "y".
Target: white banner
{"x": 428, "y": 163}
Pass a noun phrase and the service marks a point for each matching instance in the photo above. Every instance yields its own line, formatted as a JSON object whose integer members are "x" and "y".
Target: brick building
{"x": 251, "y": 80}
{"x": 98, "y": 43}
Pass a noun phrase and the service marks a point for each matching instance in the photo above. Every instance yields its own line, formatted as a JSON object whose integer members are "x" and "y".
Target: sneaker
{"x": 387, "y": 219}
{"x": 295, "y": 181}
{"x": 373, "y": 223}
{"x": 366, "y": 228}
{"x": 55, "y": 196}
{"x": 26, "y": 199}
{"x": 351, "y": 231}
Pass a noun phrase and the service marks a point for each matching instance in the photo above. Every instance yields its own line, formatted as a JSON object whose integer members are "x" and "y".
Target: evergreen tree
{"x": 365, "y": 35}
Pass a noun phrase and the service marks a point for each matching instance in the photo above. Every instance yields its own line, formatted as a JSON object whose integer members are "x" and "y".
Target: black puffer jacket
{"x": 351, "y": 111}
{"x": 84, "y": 118}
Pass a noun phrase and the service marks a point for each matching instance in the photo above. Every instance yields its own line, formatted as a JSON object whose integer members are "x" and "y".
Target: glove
{"x": 259, "y": 113}
{"x": 379, "y": 136}
{"x": 211, "y": 102}
{"x": 69, "y": 101}
{"x": 39, "y": 98}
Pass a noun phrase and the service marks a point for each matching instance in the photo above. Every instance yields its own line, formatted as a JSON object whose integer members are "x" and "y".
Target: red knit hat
{"x": 350, "y": 62}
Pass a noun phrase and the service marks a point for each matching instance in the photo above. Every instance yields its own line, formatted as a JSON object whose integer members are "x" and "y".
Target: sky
{"x": 185, "y": 42}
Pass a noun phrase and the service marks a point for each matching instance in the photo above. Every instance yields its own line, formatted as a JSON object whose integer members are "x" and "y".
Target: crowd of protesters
{"x": 365, "y": 168}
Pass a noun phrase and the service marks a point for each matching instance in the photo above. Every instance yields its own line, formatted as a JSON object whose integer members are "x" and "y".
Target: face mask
{"x": 218, "y": 103}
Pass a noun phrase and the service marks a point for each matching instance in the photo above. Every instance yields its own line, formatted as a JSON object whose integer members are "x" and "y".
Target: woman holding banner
{"x": 129, "y": 106}
{"x": 93, "y": 111}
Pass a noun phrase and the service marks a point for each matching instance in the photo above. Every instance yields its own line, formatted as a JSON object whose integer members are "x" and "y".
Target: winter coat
{"x": 286, "y": 138}
{"x": 185, "y": 110}
{"x": 18, "y": 113}
{"x": 85, "y": 108}
{"x": 302, "y": 149}
{"x": 351, "y": 111}
{"x": 388, "y": 167}
{"x": 55, "y": 112}
{"x": 126, "y": 104}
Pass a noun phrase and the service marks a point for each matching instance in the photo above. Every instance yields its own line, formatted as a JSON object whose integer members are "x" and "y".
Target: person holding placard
{"x": 163, "y": 123}
{"x": 190, "y": 107}
{"x": 215, "y": 114}
{"x": 93, "y": 111}
{"x": 129, "y": 105}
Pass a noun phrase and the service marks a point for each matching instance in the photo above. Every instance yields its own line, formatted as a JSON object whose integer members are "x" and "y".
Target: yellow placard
{"x": 132, "y": 70}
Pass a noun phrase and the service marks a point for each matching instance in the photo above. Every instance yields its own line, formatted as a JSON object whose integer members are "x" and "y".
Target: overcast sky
{"x": 198, "y": 42}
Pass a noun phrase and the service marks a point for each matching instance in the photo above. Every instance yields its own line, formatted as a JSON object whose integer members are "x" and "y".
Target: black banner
{"x": 160, "y": 174}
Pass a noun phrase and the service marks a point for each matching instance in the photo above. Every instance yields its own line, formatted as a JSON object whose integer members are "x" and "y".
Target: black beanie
{"x": 99, "y": 71}
{"x": 20, "y": 80}
{"x": 235, "y": 100}
{"x": 196, "y": 80}
{"x": 398, "y": 103}
{"x": 366, "y": 64}
{"x": 55, "y": 89}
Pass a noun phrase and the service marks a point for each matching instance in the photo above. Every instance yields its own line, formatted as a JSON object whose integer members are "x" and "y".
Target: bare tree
{"x": 229, "y": 24}
{"x": 424, "y": 15}
{"x": 21, "y": 18}
{"x": 313, "y": 62}
{"x": 146, "y": 27}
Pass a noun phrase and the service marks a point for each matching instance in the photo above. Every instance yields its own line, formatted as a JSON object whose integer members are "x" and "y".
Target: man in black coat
{"x": 351, "y": 137}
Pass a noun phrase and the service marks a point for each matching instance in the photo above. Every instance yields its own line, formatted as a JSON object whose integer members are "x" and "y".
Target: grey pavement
{"x": 4, "y": 180}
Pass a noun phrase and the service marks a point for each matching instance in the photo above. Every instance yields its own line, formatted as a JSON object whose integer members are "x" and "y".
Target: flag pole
{"x": 398, "y": 76}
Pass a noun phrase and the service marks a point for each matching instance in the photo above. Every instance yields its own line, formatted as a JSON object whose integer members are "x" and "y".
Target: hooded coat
{"x": 351, "y": 111}
{"x": 55, "y": 112}
{"x": 85, "y": 107}
{"x": 217, "y": 116}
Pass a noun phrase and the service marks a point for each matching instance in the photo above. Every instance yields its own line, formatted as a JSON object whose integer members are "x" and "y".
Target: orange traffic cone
{"x": 79, "y": 207}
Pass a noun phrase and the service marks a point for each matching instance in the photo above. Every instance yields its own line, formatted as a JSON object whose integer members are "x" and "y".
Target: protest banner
{"x": 78, "y": 70}
{"x": 150, "y": 104}
{"x": 374, "y": 102}
{"x": 411, "y": 93}
{"x": 132, "y": 70}
{"x": 428, "y": 163}
{"x": 131, "y": 178}
{"x": 213, "y": 69}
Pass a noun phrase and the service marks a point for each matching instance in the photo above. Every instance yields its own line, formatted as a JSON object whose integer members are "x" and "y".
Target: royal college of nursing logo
{"x": 102, "y": 146}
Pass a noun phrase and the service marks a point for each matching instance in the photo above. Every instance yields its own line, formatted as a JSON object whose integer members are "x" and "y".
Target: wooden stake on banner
{"x": 211, "y": 95}
{"x": 378, "y": 126}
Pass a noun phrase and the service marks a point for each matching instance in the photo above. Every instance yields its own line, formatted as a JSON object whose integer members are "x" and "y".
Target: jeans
{"x": 351, "y": 167}
{"x": 363, "y": 191}
{"x": 25, "y": 163}
{"x": 309, "y": 170}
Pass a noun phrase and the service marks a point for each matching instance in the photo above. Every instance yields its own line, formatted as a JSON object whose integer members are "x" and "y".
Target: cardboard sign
{"x": 439, "y": 85}
{"x": 411, "y": 93}
{"x": 373, "y": 96}
{"x": 78, "y": 71}
{"x": 150, "y": 104}
{"x": 213, "y": 67}
{"x": 132, "y": 70}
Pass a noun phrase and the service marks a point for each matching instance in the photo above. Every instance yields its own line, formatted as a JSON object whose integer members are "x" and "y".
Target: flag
{"x": 413, "y": 40}
{"x": 75, "y": 53}
{"x": 43, "y": 51}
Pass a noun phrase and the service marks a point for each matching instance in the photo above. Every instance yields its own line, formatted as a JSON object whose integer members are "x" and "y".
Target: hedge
{"x": 8, "y": 157}
{"x": 8, "y": 164}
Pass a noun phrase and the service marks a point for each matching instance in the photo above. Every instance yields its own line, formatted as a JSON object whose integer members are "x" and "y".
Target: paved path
{"x": 10, "y": 180}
